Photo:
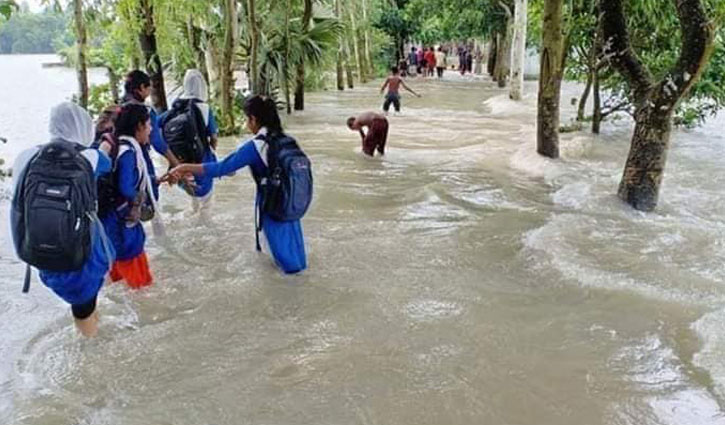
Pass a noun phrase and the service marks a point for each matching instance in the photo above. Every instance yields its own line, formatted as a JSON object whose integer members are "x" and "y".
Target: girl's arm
{"x": 127, "y": 176}
{"x": 245, "y": 155}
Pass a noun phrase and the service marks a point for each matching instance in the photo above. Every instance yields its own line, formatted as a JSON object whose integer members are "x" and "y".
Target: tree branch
{"x": 507, "y": 9}
{"x": 698, "y": 33}
{"x": 618, "y": 49}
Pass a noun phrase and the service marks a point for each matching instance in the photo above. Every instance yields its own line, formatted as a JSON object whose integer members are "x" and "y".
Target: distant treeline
{"x": 27, "y": 32}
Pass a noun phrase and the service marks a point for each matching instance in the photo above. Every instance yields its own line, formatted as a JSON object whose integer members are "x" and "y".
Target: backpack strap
{"x": 260, "y": 180}
{"x": 108, "y": 138}
{"x": 257, "y": 223}
{"x": 104, "y": 237}
{"x": 201, "y": 123}
{"x": 26, "y": 284}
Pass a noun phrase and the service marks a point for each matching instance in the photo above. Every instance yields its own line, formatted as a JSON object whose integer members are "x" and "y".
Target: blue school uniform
{"x": 81, "y": 286}
{"x": 285, "y": 238}
{"x": 157, "y": 138}
{"x": 204, "y": 184}
{"x": 128, "y": 241}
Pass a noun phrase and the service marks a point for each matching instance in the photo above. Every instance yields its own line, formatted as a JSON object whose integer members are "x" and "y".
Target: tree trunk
{"x": 339, "y": 71}
{"x": 254, "y": 35}
{"x": 581, "y": 112}
{"x": 300, "y": 87}
{"x": 300, "y": 80}
{"x": 340, "y": 54}
{"x": 368, "y": 57}
{"x": 356, "y": 43}
{"x": 499, "y": 57}
{"x": 147, "y": 39}
{"x": 492, "y": 52}
{"x": 346, "y": 49}
{"x": 364, "y": 66}
{"x": 597, "y": 114}
{"x": 227, "y": 65}
{"x": 503, "y": 57}
{"x": 113, "y": 81}
{"x": 519, "y": 50}
{"x": 547, "y": 137}
{"x": 285, "y": 64}
{"x": 211, "y": 58}
{"x": 348, "y": 64}
{"x": 82, "y": 43}
{"x": 195, "y": 35}
{"x": 655, "y": 103}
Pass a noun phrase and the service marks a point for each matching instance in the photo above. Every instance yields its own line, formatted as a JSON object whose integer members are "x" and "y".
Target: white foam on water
{"x": 669, "y": 393}
{"x": 432, "y": 310}
{"x": 711, "y": 330}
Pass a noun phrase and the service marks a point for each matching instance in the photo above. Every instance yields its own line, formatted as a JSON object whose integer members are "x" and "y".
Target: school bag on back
{"x": 184, "y": 131}
{"x": 53, "y": 207}
{"x": 286, "y": 189}
{"x": 107, "y": 190}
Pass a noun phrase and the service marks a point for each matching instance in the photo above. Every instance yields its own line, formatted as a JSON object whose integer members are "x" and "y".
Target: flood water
{"x": 462, "y": 279}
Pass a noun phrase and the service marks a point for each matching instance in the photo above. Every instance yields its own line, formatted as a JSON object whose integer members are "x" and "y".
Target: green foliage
{"x": 656, "y": 39}
{"x": 99, "y": 97}
{"x": 27, "y": 32}
{"x": 7, "y": 7}
{"x": 395, "y": 23}
{"x": 434, "y": 21}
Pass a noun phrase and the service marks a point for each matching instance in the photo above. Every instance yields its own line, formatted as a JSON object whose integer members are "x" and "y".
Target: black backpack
{"x": 185, "y": 132}
{"x": 107, "y": 188}
{"x": 53, "y": 207}
{"x": 286, "y": 189}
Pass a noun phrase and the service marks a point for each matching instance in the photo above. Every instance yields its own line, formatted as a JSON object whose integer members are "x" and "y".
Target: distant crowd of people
{"x": 429, "y": 61}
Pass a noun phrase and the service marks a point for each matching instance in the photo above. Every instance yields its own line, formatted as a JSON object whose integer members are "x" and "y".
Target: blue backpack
{"x": 286, "y": 189}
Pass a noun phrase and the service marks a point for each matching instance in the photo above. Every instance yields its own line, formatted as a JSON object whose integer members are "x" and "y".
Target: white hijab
{"x": 71, "y": 123}
{"x": 195, "y": 86}
{"x": 68, "y": 122}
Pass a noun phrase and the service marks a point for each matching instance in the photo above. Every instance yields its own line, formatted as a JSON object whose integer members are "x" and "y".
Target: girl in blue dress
{"x": 284, "y": 238}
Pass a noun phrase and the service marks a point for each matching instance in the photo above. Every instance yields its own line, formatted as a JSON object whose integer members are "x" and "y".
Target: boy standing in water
{"x": 377, "y": 131}
{"x": 393, "y": 84}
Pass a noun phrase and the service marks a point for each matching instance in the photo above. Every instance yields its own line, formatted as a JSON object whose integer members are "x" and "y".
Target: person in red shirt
{"x": 430, "y": 60}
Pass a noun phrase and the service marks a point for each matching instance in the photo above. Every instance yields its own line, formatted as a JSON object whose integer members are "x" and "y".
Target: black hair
{"x": 265, "y": 110}
{"x": 134, "y": 81}
{"x": 129, "y": 118}
{"x": 394, "y": 70}
{"x": 107, "y": 118}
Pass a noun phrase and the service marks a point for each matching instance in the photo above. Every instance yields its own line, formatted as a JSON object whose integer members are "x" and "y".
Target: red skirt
{"x": 135, "y": 272}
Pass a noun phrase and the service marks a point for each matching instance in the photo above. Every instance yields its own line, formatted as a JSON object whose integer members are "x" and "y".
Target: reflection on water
{"x": 461, "y": 279}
